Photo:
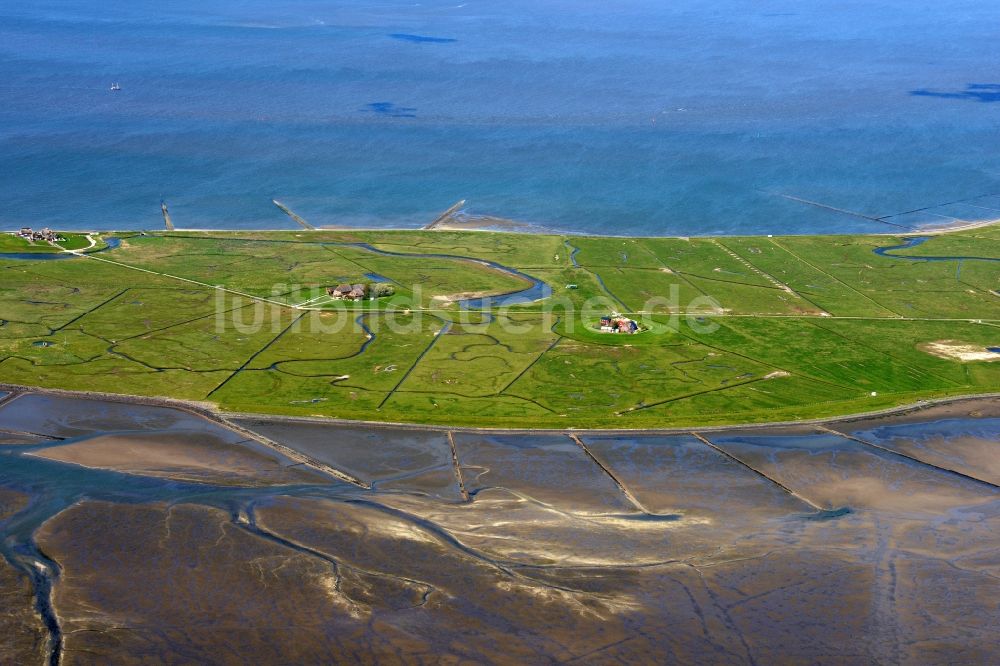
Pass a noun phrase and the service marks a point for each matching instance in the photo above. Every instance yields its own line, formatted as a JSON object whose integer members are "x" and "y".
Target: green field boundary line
{"x": 832, "y": 277}
{"x": 756, "y": 471}
{"x": 766, "y": 364}
{"x": 256, "y": 354}
{"x": 899, "y": 454}
{"x": 529, "y": 400}
{"x": 711, "y": 278}
{"x": 93, "y": 309}
{"x": 531, "y": 365}
{"x": 33, "y": 270}
{"x": 153, "y": 331}
{"x": 984, "y": 292}
{"x": 784, "y": 286}
{"x": 753, "y": 267}
{"x": 111, "y": 351}
{"x": 658, "y": 403}
{"x": 437, "y": 336}
{"x": 184, "y": 279}
{"x": 35, "y": 363}
{"x": 858, "y": 343}
{"x": 672, "y": 270}
{"x": 332, "y": 249}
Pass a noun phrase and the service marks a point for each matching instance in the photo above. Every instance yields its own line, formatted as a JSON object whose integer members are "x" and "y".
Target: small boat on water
{"x": 115, "y": 87}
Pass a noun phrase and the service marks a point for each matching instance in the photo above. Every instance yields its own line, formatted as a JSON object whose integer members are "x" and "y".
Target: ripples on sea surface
{"x": 643, "y": 117}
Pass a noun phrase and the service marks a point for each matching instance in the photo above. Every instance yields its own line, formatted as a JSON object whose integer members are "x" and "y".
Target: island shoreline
{"x": 536, "y": 230}
{"x": 212, "y": 412}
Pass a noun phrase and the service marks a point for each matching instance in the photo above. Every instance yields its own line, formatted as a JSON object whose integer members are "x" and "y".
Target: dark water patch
{"x": 375, "y": 277}
{"x": 407, "y": 459}
{"x": 112, "y": 243}
{"x": 650, "y": 517}
{"x": 995, "y": 350}
{"x": 976, "y": 92}
{"x": 390, "y": 110}
{"x": 829, "y": 514}
{"x": 421, "y": 39}
{"x": 42, "y": 573}
{"x": 42, "y": 343}
{"x": 23, "y": 439}
{"x": 73, "y": 417}
{"x": 54, "y": 486}
{"x": 37, "y": 256}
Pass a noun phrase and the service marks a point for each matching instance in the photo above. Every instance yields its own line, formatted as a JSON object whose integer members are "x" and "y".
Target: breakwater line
{"x": 288, "y": 211}
{"x": 445, "y": 216}
{"x": 166, "y": 216}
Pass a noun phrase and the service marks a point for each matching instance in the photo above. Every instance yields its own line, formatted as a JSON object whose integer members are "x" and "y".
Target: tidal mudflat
{"x": 139, "y": 533}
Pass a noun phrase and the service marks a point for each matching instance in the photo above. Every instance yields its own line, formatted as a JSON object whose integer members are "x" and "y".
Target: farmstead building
{"x": 347, "y": 292}
{"x": 618, "y": 324}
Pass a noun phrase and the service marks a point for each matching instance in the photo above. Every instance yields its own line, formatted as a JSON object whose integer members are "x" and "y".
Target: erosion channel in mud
{"x": 153, "y": 533}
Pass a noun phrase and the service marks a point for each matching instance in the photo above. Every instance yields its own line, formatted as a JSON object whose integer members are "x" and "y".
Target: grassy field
{"x": 11, "y": 243}
{"x": 736, "y": 329}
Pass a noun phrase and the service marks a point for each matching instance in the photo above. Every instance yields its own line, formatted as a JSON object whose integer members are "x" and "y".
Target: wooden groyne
{"x": 843, "y": 211}
{"x": 287, "y": 211}
{"x": 166, "y": 216}
{"x": 443, "y": 217}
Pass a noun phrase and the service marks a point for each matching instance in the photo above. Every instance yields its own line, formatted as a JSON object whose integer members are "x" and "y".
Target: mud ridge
{"x": 938, "y": 468}
{"x": 458, "y": 468}
{"x": 759, "y": 473}
{"x": 611, "y": 475}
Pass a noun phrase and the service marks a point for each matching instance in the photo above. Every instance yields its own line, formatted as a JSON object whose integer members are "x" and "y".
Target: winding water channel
{"x": 537, "y": 289}
{"x": 891, "y": 252}
{"x": 148, "y": 531}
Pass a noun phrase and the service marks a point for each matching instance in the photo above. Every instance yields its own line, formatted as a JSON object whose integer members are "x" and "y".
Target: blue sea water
{"x": 625, "y": 117}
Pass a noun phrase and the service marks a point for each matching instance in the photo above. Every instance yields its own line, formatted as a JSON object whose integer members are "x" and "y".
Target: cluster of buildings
{"x": 616, "y": 323}
{"x": 359, "y": 292}
{"x": 348, "y": 292}
{"x": 45, "y": 234}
